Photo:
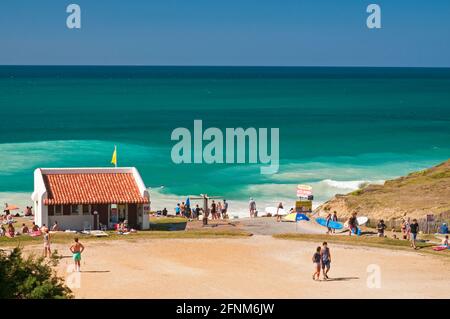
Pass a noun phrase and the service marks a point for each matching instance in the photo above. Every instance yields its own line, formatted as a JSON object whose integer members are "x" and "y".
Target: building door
{"x": 122, "y": 212}
{"x": 102, "y": 216}
{"x": 132, "y": 215}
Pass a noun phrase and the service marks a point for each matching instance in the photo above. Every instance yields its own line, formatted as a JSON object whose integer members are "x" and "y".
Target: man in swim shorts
{"x": 325, "y": 259}
{"x": 414, "y": 230}
{"x": 76, "y": 249}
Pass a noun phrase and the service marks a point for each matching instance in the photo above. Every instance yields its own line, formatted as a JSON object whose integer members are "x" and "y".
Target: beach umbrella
{"x": 188, "y": 201}
{"x": 296, "y": 217}
{"x": 301, "y": 216}
{"x": 12, "y": 207}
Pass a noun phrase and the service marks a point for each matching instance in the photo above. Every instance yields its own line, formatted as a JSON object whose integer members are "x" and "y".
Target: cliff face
{"x": 414, "y": 195}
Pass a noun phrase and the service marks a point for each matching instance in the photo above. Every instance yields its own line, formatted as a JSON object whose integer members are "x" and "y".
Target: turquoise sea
{"x": 339, "y": 127}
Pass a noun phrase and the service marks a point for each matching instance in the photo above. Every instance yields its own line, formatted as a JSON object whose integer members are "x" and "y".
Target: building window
{"x": 75, "y": 210}
{"x": 51, "y": 210}
{"x": 86, "y": 210}
{"x": 58, "y": 210}
{"x": 66, "y": 209}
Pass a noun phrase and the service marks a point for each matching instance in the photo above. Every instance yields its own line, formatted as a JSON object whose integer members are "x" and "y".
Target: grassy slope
{"x": 415, "y": 195}
{"x": 388, "y": 243}
{"x": 67, "y": 238}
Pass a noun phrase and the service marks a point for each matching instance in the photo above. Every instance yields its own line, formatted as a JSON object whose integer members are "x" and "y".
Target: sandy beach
{"x": 259, "y": 266}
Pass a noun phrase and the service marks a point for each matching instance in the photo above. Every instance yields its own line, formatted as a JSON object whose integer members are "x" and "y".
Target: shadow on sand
{"x": 341, "y": 279}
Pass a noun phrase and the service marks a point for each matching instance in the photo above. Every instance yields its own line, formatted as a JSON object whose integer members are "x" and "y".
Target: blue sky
{"x": 226, "y": 32}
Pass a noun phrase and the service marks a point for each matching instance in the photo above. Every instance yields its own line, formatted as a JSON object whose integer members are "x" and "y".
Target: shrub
{"x": 30, "y": 278}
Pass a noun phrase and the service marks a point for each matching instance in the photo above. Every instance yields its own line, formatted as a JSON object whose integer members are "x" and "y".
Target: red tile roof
{"x": 92, "y": 188}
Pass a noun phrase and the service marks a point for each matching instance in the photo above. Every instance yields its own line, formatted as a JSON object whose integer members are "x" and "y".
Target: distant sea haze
{"x": 339, "y": 127}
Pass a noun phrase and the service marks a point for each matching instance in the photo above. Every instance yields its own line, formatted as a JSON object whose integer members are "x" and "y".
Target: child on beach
{"x": 47, "y": 250}
{"x": 316, "y": 261}
{"x": 325, "y": 259}
{"x": 76, "y": 249}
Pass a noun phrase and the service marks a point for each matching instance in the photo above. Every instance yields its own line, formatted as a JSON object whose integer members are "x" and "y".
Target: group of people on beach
{"x": 76, "y": 248}
{"x": 217, "y": 210}
{"x": 329, "y": 219}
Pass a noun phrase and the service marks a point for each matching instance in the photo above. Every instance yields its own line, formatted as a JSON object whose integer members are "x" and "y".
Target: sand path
{"x": 253, "y": 267}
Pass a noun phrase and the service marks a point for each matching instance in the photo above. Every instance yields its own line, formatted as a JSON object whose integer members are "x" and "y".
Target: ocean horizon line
{"x": 228, "y": 66}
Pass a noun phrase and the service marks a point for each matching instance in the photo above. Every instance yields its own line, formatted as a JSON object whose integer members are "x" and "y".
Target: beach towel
{"x": 99, "y": 233}
{"x": 441, "y": 247}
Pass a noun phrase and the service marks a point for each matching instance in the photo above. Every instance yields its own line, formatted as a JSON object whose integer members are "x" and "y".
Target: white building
{"x": 80, "y": 198}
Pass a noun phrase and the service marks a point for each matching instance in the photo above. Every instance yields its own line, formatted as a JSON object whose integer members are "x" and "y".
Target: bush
{"x": 30, "y": 278}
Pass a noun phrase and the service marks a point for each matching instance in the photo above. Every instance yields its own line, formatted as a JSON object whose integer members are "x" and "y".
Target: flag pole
{"x": 115, "y": 148}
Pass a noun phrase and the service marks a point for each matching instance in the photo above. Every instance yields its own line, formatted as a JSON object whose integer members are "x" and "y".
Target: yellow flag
{"x": 114, "y": 157}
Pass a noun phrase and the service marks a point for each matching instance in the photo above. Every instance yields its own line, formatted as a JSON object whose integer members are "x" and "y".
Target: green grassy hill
{"x": 415, "y": 195}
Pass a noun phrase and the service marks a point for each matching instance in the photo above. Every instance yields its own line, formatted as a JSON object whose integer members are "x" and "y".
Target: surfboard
{"x": 359, "y": 220}
{"x": 331, "y": 224}
{"x": 273, "y": 211}
{"x": 362, "y": 220}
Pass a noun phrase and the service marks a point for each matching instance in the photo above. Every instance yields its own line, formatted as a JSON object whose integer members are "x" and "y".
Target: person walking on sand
{"x": 225, "y": 209}
{"x": 328, "y": 219}
{"x": 47, "y": 250}
{"x": 252, "y": 207}
{"x": 352, "y": 224}
{"x": 381, "y": 228}
{"x": 183, "y": 209}
{"x": 316, "y": 261}
{"x": 414, "y": 226}
{"x": 325, "y": 259}
{"x": 403, "y": 227}
{"x": 213, "y": 210}
{"x": 335, "y": 219}
{"x": 280, "y": 206}
{"x": 76, "y": 249}
{"x": 219, "y": 209}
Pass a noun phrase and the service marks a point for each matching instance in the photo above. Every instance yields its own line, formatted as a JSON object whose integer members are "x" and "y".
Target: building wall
{"x": 72, "y": 222}
{"x": 76, "y": 222}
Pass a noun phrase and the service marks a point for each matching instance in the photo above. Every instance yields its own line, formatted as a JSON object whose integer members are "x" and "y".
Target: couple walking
{"x": 322, "y": 259}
